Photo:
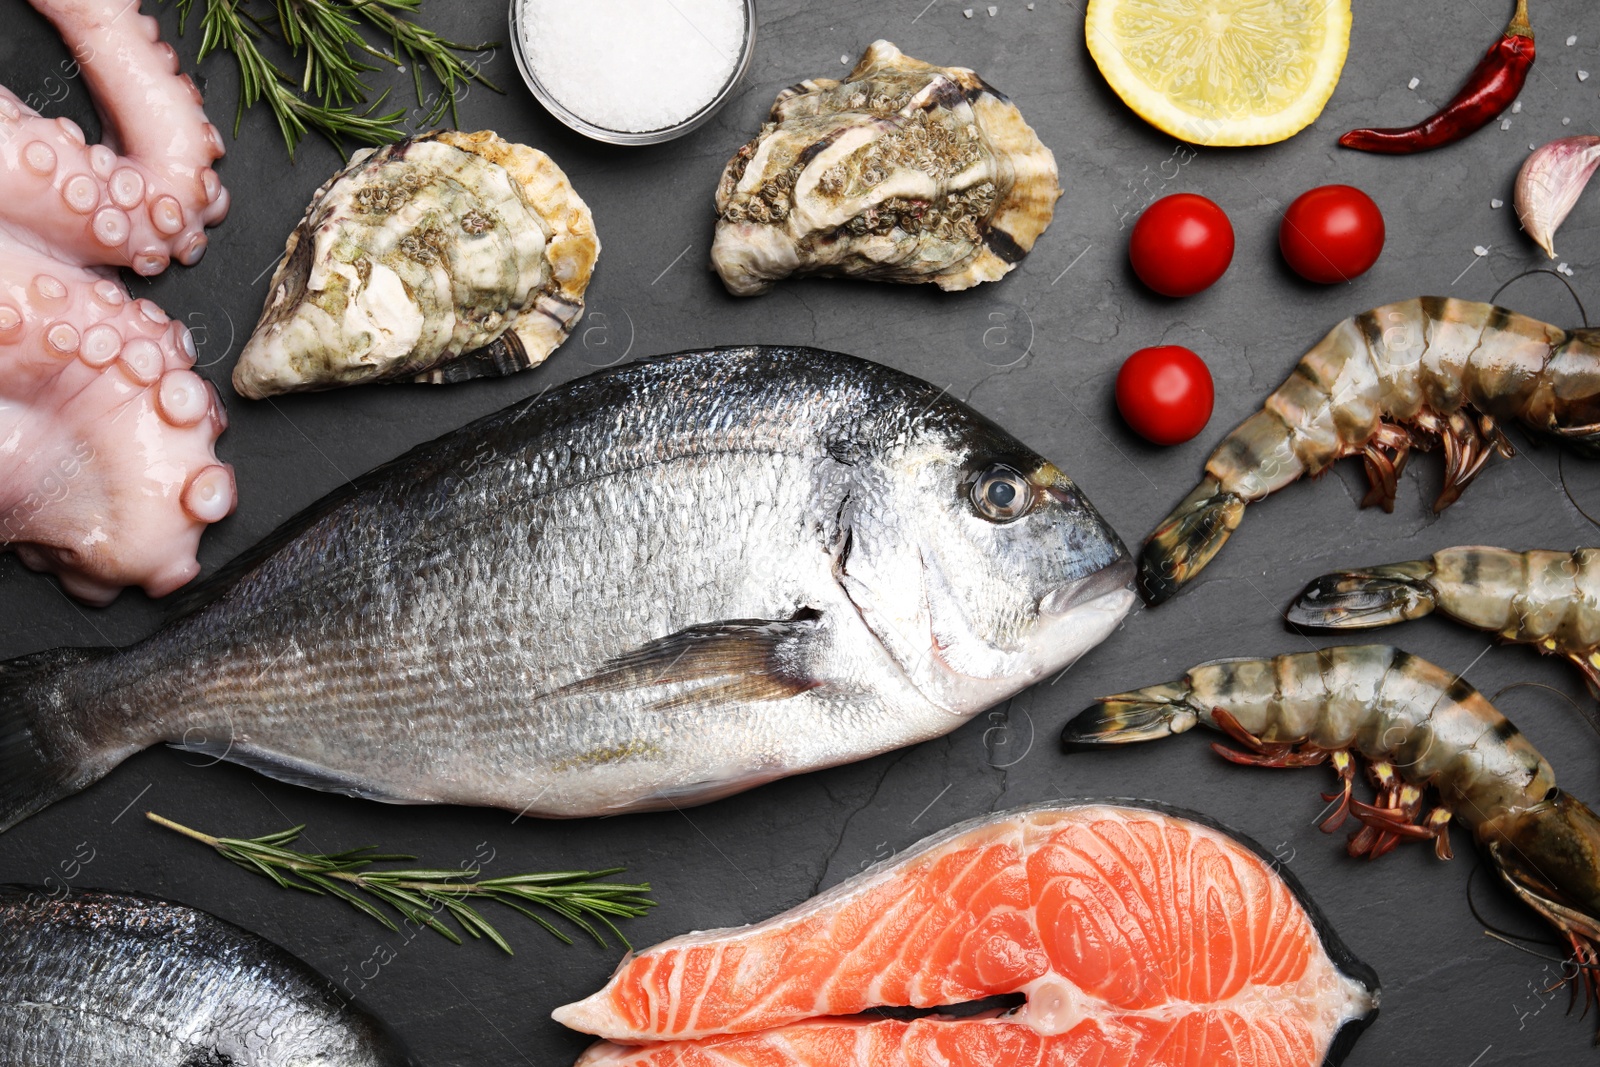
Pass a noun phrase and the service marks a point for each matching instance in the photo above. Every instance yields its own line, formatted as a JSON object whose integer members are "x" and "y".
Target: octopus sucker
{"x": 903, "y": 172}
{"x": 105, "y": 429}
{"x": 444, "y": 257}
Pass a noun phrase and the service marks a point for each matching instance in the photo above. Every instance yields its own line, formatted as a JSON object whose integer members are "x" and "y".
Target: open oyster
{"x": 903, "y": 172}
{"x": 441, "y": 258}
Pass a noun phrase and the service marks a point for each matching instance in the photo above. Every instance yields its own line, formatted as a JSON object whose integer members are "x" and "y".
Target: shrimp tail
{"x": 1146, "y": 714}
{"x": 1187, "y": 539}
{"x": 1363, "y": 599}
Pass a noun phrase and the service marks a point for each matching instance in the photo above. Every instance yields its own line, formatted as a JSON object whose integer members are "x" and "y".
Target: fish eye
{"x": 1001, "y": 494}
{"x": 1552, "y": 794}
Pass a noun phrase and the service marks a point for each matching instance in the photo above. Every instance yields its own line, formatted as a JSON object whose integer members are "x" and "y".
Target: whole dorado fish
{"x": 116, "y": 978}
{"x": 655, "y": 586}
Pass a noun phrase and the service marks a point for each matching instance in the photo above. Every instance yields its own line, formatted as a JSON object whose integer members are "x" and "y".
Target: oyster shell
{"x": 903, "y": 172}
{"x": 440, "y": 258}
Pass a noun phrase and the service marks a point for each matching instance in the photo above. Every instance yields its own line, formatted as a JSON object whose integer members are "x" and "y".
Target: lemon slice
{"x": 1222, "y": 72}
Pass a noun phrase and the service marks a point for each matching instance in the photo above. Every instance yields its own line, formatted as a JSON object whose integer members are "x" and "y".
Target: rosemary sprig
{"x": 326, "y": 33}
{"x": 421, "y": 46}
{"x": 422, "y": 896}
{"x": 331, "y": 97}
{"x": 226, "y": 26}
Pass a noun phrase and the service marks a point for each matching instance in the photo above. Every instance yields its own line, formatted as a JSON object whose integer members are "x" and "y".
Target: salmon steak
{"x": 1139, "y": 937}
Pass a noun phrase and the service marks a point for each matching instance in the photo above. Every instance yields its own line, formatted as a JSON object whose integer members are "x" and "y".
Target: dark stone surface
{"x": 1038, "y": 352}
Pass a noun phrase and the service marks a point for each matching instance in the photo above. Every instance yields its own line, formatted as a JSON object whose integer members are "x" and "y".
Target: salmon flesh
{"x": 1139, "y": 938}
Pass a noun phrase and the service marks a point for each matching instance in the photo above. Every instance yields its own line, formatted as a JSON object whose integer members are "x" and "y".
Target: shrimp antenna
{"x": 1557, "y": 276}
{"x": 1561, "y": 469}
{"x": 1588, "y": 714}
{"x": 1585, "y": 969}
{"x": 1561, "y": 473}
{"x": 1565, "y": 961}
{"x": 1500, "y": 933}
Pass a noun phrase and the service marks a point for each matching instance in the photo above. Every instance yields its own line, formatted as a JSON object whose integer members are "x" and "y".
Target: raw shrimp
{"x": 1420, "y": 727}
{"x": 1550, "y": 600}
{"x": 1398, "y": 377}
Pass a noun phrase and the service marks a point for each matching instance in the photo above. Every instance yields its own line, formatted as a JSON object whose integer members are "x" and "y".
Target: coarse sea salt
{"x": 633, "y": 65}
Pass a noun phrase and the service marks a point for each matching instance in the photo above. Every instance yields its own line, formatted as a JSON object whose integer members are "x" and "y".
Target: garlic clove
{"x": 1549, "y": 184}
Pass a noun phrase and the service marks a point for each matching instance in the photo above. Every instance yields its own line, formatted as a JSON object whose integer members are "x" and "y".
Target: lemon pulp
{"x": 1222, "y": 72}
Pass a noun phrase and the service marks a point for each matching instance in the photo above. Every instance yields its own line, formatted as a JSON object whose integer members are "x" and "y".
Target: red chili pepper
{"x": 1492, "y": 86}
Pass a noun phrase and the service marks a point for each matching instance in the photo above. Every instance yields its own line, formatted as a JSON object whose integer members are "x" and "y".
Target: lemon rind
{"x": 1155, "y": 108}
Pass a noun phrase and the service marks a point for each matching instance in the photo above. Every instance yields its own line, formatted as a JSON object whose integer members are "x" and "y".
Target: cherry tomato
{"x": 1331, "y": 234}
{"x": 1181, "y": 244}
{"x": 1165, "y": 394}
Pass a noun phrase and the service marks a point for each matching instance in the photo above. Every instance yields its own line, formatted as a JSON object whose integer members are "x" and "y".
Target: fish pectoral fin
{"x": 292, "y": 770}
{"x": 719, "y": 662}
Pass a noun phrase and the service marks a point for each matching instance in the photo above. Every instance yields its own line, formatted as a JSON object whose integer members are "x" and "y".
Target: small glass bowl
{"x": 627, "y": 137}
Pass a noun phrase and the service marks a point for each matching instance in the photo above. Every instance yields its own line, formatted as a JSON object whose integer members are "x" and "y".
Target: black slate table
{"x": 1038, "y": 352}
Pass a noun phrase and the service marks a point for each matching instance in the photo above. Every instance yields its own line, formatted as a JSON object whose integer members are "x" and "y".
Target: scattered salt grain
{"x": 1562, "y": 268}
{"x": 1572, "y": 40}
{"x": 1479, "y": 250}
{"x": 1516, "y": 107}
{"x": 844, "y": 60}
{"x": 1566, "y": 122}
{"x": 1505, "y": 124}
{"x": 993, "y": 11}
{"x": 1030, "y": 7}
{"x": 594, "y": 57}
{"x": 1497, "y": 203}
{"x": 968, "y": 12}
{"x": 1583, "y": 75}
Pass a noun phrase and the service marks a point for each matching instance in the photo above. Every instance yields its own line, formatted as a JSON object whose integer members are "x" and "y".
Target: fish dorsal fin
{"x": 715, "y": 663}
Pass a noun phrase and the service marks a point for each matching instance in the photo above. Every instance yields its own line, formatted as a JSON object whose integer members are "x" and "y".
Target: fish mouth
{"x": 1108, "y": 581}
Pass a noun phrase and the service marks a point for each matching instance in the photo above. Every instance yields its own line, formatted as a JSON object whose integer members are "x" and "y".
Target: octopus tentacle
{"x": 140, "y": 209}
{"x": 108, "y": 473}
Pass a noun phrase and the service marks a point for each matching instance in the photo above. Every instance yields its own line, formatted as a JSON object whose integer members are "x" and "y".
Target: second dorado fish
{"x": 655, "y": 586}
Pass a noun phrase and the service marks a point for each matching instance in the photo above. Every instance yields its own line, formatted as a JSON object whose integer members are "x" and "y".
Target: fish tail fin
{"x": 1143, "y": 715}
{"x": 48, "y": 746}
{"x": 1187, "y": 539}
{"x": 1362, "y": 599}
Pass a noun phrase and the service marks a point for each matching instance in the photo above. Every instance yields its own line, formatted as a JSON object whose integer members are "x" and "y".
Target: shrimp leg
{"x": 1422, "y": 729}
{"x": 1398, "y": 378}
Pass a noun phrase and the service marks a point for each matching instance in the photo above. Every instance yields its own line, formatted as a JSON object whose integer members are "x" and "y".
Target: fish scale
{"x": 654, "y": 586}
{"x": 92, "y": 977}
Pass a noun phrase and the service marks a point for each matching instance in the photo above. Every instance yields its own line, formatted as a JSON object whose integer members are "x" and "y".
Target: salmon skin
{"x": 99, "y": 978}
{"x": 1140, "y": 937}
{"x": 652, "y": 587}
